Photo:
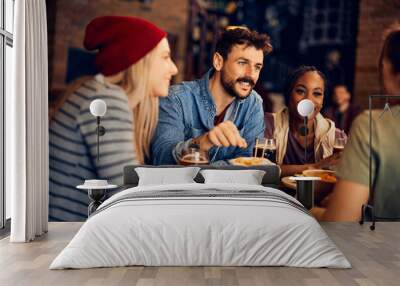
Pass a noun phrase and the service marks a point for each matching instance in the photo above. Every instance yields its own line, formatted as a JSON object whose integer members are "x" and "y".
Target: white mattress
{"x": 185, "y": 230}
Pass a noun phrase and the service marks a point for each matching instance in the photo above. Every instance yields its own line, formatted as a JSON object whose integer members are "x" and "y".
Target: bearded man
{"x": 220, "y": 113}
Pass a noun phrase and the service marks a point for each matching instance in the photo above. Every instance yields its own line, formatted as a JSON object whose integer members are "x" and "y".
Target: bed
{"x": 201, "y": 224}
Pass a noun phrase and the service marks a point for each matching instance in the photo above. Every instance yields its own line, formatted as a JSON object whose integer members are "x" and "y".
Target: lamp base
{"x": 305, "y": 193}
{"x": 96, "y": 197}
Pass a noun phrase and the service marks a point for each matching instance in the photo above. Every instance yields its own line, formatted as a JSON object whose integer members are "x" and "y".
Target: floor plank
{"x": 374, "y": 255}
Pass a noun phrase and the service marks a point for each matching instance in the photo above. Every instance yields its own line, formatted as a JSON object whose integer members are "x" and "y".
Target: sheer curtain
{"x": 27, "y": 124}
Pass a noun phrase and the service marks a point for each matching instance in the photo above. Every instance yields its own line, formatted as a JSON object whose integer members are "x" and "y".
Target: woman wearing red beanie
{"x": 133, "y": 58}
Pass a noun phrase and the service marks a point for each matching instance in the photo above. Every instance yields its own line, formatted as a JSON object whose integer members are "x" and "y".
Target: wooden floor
{"x": 375, "y": 257}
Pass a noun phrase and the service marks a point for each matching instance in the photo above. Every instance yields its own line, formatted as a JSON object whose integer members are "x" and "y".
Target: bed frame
{"x": 270, "y": 179}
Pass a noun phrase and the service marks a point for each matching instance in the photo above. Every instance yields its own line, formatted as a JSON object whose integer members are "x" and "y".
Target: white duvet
{"x": 185, "y": 230}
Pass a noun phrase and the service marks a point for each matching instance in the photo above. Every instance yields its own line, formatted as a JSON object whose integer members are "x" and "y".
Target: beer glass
{"x": 193, "y": 156}
{"x": 265, "y": 148}
{"x": 340, "y": 142}
{"x": 270, "y": 149}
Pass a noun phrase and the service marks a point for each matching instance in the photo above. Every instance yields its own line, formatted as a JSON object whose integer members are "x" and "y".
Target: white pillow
{"x": 166, "y": 176}
{"x": 248, "y": 177}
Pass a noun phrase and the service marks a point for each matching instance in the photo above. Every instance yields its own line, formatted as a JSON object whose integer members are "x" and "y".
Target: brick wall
{"x": 374, "y": 17}
{"x": 68, "y": 18}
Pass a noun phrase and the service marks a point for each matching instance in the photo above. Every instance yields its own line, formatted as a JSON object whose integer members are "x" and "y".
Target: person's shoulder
{"x": 115, "y": 98}
{"x": 362, "y": 120}
{"x": 96, "y": 87}
{"x": 179, "y": 94}
{"x": 98, "y": 84}
{"x": 269, "y": 118}
{"x": 326, "y": 120}
{"x": 184, "y": 88}
{"x": 360, "y": 126}
{"x": 255, "y": 98}
{"x": 253, "y": 102}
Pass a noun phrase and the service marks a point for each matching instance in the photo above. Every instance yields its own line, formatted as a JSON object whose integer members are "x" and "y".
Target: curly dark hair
{"x": 240, "y": 36}
{"x": 295, "y": 75}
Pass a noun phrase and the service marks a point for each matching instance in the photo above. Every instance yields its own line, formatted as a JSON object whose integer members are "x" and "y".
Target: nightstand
{"x": 97, "y": 190}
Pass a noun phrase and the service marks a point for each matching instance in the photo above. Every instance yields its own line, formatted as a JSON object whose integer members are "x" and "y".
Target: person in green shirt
{"x": 352, "y": 188}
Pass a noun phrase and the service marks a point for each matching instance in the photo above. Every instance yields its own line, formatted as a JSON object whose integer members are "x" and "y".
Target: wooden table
{"x": 374, "y": 255}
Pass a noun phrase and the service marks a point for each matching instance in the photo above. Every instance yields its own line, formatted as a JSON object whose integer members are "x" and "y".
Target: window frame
{"x": 6, "y": 39}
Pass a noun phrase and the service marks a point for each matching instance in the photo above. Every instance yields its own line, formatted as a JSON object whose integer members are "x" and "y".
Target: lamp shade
{"x": 305, "y": 107}
{"x": 98, "y": 107}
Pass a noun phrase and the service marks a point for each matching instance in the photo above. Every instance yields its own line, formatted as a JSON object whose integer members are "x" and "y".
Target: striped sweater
{"x": 73, "y": 147}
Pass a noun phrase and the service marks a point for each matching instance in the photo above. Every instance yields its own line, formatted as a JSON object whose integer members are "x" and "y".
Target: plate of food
{"x": 323, "y": 187}
{"x": 327, "y": 176}
{"x": 288, "y": 183}
{"x": 250, "y": 161}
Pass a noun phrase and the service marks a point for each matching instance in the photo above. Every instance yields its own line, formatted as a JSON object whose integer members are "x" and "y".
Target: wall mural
{"x": 117, "y": 107}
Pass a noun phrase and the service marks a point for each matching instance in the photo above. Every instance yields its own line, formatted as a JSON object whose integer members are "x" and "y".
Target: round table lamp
{"x": 305, "y": 108}
{"x": 98, "y": 108}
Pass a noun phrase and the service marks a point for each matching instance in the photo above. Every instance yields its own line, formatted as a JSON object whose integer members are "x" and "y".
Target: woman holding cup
{"x": 297, "y": 150}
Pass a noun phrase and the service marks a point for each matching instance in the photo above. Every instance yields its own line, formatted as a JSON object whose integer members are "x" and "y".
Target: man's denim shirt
{"x": 189, "y": 112}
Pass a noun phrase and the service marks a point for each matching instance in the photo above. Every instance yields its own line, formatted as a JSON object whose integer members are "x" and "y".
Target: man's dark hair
{"x": 240, "y": 36}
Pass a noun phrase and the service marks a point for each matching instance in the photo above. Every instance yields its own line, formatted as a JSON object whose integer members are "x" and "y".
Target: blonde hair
{"x": 136, "y": 83}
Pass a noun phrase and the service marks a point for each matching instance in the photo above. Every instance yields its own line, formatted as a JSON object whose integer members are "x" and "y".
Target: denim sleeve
{"x": 253, "y": 128}
{"x": 169, "y": 131}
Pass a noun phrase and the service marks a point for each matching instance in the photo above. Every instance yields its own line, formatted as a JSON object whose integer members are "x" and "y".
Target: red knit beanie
{"x": 120, "y": 41}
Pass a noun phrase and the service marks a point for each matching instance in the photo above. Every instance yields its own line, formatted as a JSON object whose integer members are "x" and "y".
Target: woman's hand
{"x": 327, "y": 162}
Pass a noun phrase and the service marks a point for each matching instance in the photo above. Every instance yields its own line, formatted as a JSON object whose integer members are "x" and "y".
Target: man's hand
{"x": 224, "y": 134}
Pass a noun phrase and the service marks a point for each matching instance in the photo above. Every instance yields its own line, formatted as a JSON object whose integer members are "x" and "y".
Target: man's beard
{"x": 229, "y": 85}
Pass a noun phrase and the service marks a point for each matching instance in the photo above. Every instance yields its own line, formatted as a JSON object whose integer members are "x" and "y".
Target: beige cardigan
{"x": 324, "y": 135}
